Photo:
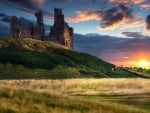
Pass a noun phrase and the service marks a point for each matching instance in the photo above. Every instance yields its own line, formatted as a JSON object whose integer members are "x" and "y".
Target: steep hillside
{"x": 28, "y": 58}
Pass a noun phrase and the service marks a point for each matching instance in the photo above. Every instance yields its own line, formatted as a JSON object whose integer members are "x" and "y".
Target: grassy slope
{"x": 27, "y": 58}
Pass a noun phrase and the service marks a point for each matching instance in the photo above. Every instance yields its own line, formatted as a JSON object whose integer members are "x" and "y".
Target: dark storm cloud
{"x": 148, "y": 22}
{"x": 138, "y": 35}
{"x": 62, "y": 1}
{"x": 47, "y": 15}
{"x": 4, "y": 24}
{"x": 2, "y": 15}
{"x": 93, "y": 1}
{"x": 115, "y": 16}
{"x": 4, "y": 28}
{"x": 5, "y": 18}
{"x": 32, "y": 4}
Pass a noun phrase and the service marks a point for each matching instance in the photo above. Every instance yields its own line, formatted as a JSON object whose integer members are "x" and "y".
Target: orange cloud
{"x": 138, "y": 1}
{"x": 145, "y": 6}
{"x": 126, "y": 2}
{"x": 120, "y": 1}
{"x": 114, "y": 17}
{"x": 134, "y": 22}
{"x": 49, "y": 18}
{"x": 114, "y": 25}
{"x": 38, "y": 2}
{"x": 86, "y": 15}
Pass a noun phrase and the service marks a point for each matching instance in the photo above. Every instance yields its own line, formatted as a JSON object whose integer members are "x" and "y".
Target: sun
{"x": 144, "y": 64}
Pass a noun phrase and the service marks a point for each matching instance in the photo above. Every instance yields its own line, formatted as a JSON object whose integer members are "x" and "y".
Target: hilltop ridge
{"x": 30, "y": 58}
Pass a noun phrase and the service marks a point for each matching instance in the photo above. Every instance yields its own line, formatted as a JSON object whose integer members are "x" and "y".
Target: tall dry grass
{"x": 82, "y": 86}
{"x": 22, "y": 96}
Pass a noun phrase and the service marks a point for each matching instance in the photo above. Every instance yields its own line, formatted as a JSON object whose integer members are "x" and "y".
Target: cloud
{"x": 148, "y": 22}
{"x": 4, "y": 25}
{"x": 32, "y": 4}
{"x": 114, "y": 17}
{"x": 38, "y": 2}
{"x": 62, "y": 1}
{"x": 124, "y": 2}
{"x": 49, "y": 18}
{"x": 4, "y": 18}
{"x": 86, "y": 15}
{"x": 134, "y": 22}
{"x": 137, "y": 35}
{"x": 145, "y": 6}
{"x": 109, "y": 19}
{"x": 138, "y": 1}
{"x": 47, "y": 15}
{"x": 127, "y": 2}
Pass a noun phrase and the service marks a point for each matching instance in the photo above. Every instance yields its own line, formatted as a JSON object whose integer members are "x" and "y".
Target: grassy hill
{"x": 29, "y": 58}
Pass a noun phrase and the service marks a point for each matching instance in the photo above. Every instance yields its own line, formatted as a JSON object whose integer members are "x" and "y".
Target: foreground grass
{"x": 23, "y": 101}
{"x": 75, "y": 96}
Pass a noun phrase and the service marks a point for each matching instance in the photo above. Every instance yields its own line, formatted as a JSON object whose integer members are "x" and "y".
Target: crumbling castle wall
{"x": 18, "y": 30}
{"x": 60, "y": 32}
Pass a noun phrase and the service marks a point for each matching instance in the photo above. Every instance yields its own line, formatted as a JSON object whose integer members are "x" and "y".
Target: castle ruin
{"x": 60, "y": 32}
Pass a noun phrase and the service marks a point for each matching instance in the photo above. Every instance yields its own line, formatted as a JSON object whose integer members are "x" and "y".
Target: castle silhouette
{"x": 59, "y": 33}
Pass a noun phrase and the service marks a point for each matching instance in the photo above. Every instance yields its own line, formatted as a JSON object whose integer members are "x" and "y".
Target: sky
{"x": 117, "y": 31}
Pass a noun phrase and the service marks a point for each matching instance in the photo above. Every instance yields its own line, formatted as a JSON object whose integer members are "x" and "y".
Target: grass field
{"x": 75, "y": 96}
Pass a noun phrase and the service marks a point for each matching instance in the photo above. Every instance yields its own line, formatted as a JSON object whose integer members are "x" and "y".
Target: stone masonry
{"x": 60, "y": 32}
{"x": 18, "y": 30}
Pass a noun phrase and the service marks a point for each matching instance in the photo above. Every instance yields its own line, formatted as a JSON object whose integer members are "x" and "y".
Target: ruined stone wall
{"x": 18, "y": 30}
{"x": 60, "y": 32}
{"x": 68, "y": 36}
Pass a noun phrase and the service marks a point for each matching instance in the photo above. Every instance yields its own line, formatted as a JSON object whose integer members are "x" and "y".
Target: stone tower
{"x": 15, "y": 27}
{"x": 58, "y": 16}
{"x": 60, "y": 32}
{"x": 40, "y": 24}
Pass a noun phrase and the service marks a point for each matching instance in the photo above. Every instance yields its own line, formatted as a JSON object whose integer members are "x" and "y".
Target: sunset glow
{"x": 144, "y": 64}
{"x": 139, "y": 63}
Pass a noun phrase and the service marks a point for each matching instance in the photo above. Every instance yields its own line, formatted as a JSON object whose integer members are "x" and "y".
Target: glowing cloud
{"x": 31, "y": 4}
{"x": 86, "y": 15}
{"x": 113, "y": 25}
{"x": 138, "y": 1}
{"x": 126, "y": 2}
{"x": 112, "y": 18}
{"x": 130, "y": 24}
{"x": 38, "y": 2}
{"x": 145, "y": 6}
